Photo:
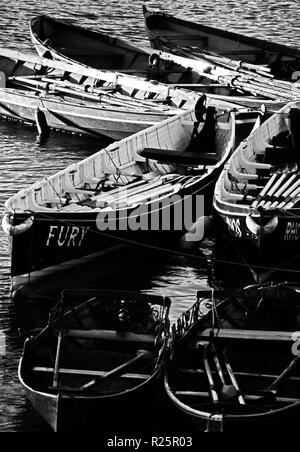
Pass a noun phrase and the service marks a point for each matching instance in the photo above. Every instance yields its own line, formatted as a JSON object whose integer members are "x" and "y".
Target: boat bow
{"x": 261, "y": 230}
{"x": 13, "y": 230}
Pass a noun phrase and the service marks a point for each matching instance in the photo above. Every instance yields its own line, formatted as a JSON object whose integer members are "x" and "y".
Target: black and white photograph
{"x": 150, "y": 219}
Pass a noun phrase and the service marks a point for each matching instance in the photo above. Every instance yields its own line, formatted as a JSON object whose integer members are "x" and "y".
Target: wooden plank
{"x": 248, "y": 397}
{"x": 285, "y": 336}
{"x": 111, "y": 335}
{"x": 198, "y": 85}
{"x": 187, "y": 36}
{"x": 89, "y": 373}
{"x": 239, "y": 374}
{"x": 108, "y": 76}
{"x": 240, "y": 52}
{"x": 57, "y": 360}
{"x": 180, "y": 157}
{"x": 117, "y": 78}
{"x": 192, "y": 394}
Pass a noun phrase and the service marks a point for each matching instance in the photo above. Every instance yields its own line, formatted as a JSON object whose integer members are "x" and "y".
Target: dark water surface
{"x": 23, "y": 161}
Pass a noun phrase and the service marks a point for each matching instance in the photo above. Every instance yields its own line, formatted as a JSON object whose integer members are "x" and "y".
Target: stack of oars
{"x": 246, "y": 77}
{"x": 282, "y": 190}
{"x": 103, "y": 95}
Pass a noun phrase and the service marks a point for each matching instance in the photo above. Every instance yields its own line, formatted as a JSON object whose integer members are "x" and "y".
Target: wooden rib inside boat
{"x": 74, "y": 44}
{"x": 92, "y": 48}
{"x": 99, "y": 348}
{"x": 232, "y": 365}
{"x": 258, "y": 191}
{"x": 121, "y": 193}
{"x": 127, "y": 172}
{"x": 80, "y": 99}
{"x": 77, "y": 45}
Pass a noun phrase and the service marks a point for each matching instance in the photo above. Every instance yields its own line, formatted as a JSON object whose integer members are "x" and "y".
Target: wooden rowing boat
{"x": 264, "y": 80}
{"x": 180, "y": 36}
{"x": 234, "y": 360}
{"x": 64, "y": 41}
{"x": 71, "y": 43}
{"x": 257, "y": 195}
{"x": 76, "y": 45}
{"x": 54, "y": 94}
{"x": 100, "y": 352}
{"x": 122, "y": 193}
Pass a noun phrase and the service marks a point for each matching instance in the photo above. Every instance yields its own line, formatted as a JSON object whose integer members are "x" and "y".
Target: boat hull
{"x": 247, "y": 341}
{"x": 69, "y": 414}
{"x": 269, "y": 239}
{"x": 163, "y": 28}
{"x": 60, "y": 240}
{"x": 46, "y": 405}
{"x": 89, "y": 411}
{"x": 125, "y": 362}
{"x": 85, "y": 118}
{"x": 268, "y": 422}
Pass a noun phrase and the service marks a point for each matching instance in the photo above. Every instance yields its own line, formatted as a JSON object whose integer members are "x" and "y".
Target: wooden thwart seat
{"x": 88, "y": 373}
{"x": 285, "y": 336}
{"x": 179, "y": 157}
{"x": 241, "y": 52}
{"x": 191, "y": 394}
{"x": 248, "y": 397}
{"x": 186, "y": 36}
{"x": 111, "y": 336}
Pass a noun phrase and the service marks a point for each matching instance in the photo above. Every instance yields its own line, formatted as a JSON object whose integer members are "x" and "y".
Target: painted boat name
{"x": 69, "y": 236}
{"x": 235, "y": 226}
{"x": 292, "y": 232}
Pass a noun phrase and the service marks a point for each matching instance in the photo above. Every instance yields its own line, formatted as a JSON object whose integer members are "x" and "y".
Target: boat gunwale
{"x": 276, "y": 47}
{"x": 163, "y": 301}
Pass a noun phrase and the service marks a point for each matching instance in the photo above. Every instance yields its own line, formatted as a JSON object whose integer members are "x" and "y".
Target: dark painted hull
{"x": 60, "y": 240}
{"x": 269, "y": 422}
{"x": 76, "y": 45}
{"x": 71, "y": 43}
{"x": 70, "y": 414}
{"x": 89, "y": 118}
{"x": 65, "y": 403}
{"x": 247, "y": 340}
{"x": 269, "y": 249}
{"x": 284, "y": 60}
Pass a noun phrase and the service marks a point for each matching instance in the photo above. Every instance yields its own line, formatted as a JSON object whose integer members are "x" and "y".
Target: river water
{"x": 23, "y": 160}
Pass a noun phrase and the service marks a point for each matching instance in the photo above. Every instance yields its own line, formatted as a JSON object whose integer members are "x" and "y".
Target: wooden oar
{"x": 231, "y": 72}
{"x": 291, "y": 204}
{"x": 280, "y": 191}
{"x": 228, "y": 391}
{"x": 277, "y": 172}
{"x": 213, "y": 392}
{"x": 233, "y": 379}
{"x": 73, "y": 90}
{"x": 141, "y": 355}
{"x": 290, "y": 201}
{"x": 274, "y": 188}
{"x": 126, "y": 193}
{"x": 284, "y": 198}
{"x": 57, "y": 359}
{"x": 285, "y": 374}
{"x": 271, "y": 391}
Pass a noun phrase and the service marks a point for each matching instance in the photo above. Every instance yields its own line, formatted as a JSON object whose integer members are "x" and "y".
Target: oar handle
{"x": 285, "y": 374}
{"x": 141, "y": 354}
{"x": 209, "y": 375}
{"x": 233, "y": 379}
